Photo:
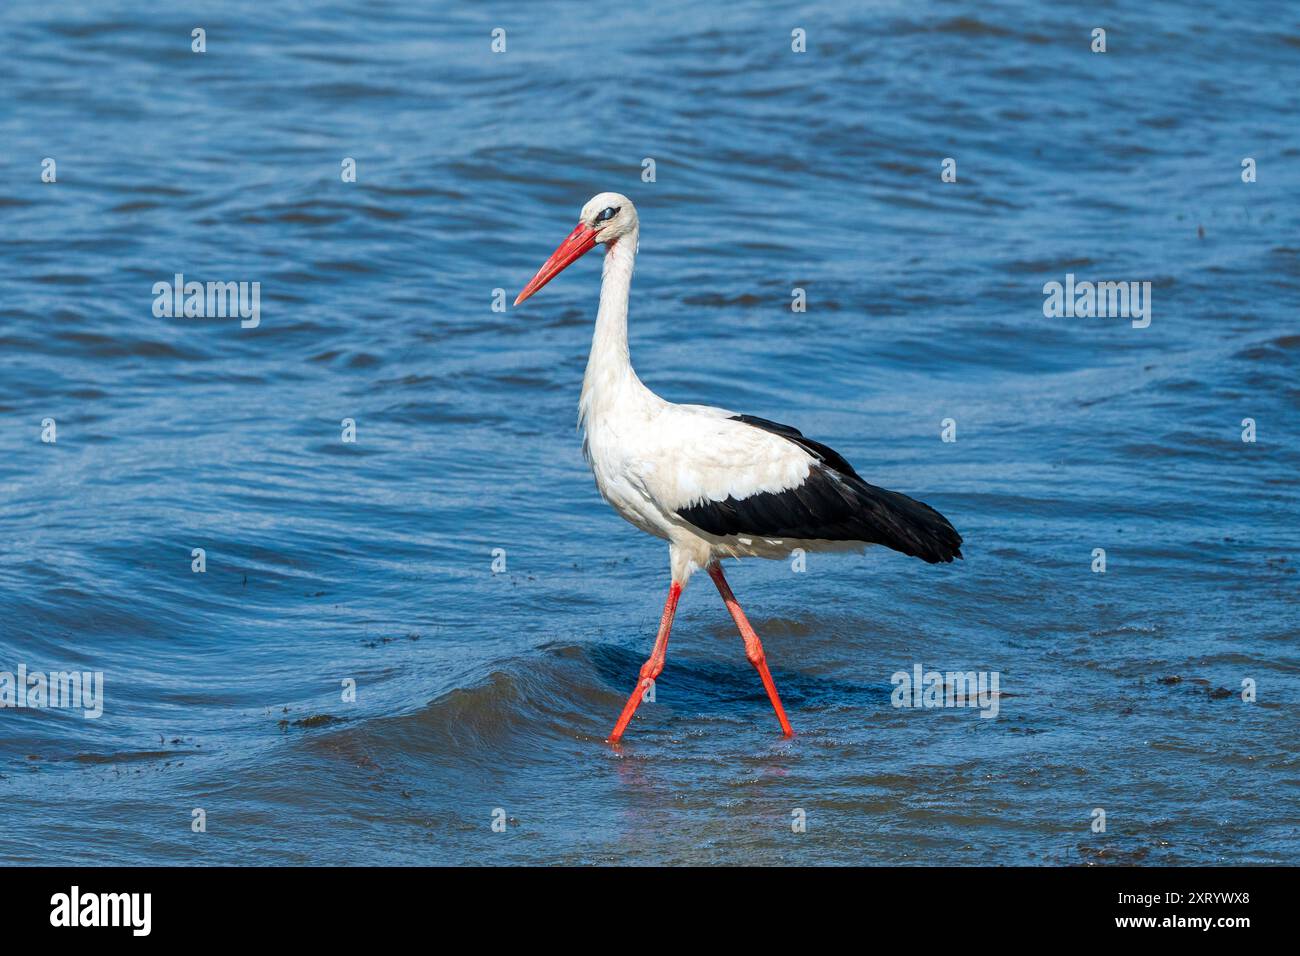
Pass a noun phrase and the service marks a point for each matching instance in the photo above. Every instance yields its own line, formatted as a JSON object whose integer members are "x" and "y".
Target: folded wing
{"x": 816, "y": 495}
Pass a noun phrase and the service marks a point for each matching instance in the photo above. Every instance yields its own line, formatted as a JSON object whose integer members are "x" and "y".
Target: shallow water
{"x": 372, "y": 560}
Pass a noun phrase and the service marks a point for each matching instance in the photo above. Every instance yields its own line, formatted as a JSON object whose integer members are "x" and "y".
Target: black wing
{"x": 833, "y": 504}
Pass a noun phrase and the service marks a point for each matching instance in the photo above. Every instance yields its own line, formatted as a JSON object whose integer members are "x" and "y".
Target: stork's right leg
{"x": 753, "y": 646}
{"x": 654, "y": 666}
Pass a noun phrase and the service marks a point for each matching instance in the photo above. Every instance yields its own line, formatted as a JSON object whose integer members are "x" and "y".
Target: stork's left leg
{"x": 753, "y": 647}
{"x": 652, "y": 668}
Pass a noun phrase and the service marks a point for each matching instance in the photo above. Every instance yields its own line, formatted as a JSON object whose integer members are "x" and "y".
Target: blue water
{"x": 372, "y": 561}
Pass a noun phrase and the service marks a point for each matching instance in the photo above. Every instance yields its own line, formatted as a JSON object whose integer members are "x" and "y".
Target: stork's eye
{"x": 608, "y": 213}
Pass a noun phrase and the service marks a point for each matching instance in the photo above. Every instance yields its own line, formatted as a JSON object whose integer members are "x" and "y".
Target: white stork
{"x": 712, "y": 483}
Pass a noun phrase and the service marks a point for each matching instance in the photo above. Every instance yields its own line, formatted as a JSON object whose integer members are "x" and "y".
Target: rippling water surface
{"x": 775, "y": 170}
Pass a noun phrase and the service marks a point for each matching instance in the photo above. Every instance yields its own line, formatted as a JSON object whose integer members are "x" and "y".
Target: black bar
{"x": 211, "y": 904}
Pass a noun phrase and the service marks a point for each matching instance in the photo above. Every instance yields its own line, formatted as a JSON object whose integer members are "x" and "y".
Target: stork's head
{"x": 606, "y": 218}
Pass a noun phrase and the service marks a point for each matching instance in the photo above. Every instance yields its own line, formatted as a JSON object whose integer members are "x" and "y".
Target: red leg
{"x": 753, "y": 646}
{"x": 654, "y": 666}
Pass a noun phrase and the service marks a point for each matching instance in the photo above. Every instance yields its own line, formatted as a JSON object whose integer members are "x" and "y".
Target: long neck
{"x": 609, "y": 367}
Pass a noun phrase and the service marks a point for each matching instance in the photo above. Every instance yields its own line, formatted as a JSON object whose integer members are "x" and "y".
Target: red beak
{"x": 571, "y": 249}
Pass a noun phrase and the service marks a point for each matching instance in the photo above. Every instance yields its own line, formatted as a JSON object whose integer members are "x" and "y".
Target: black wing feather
{"x": 833, "y": 504}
